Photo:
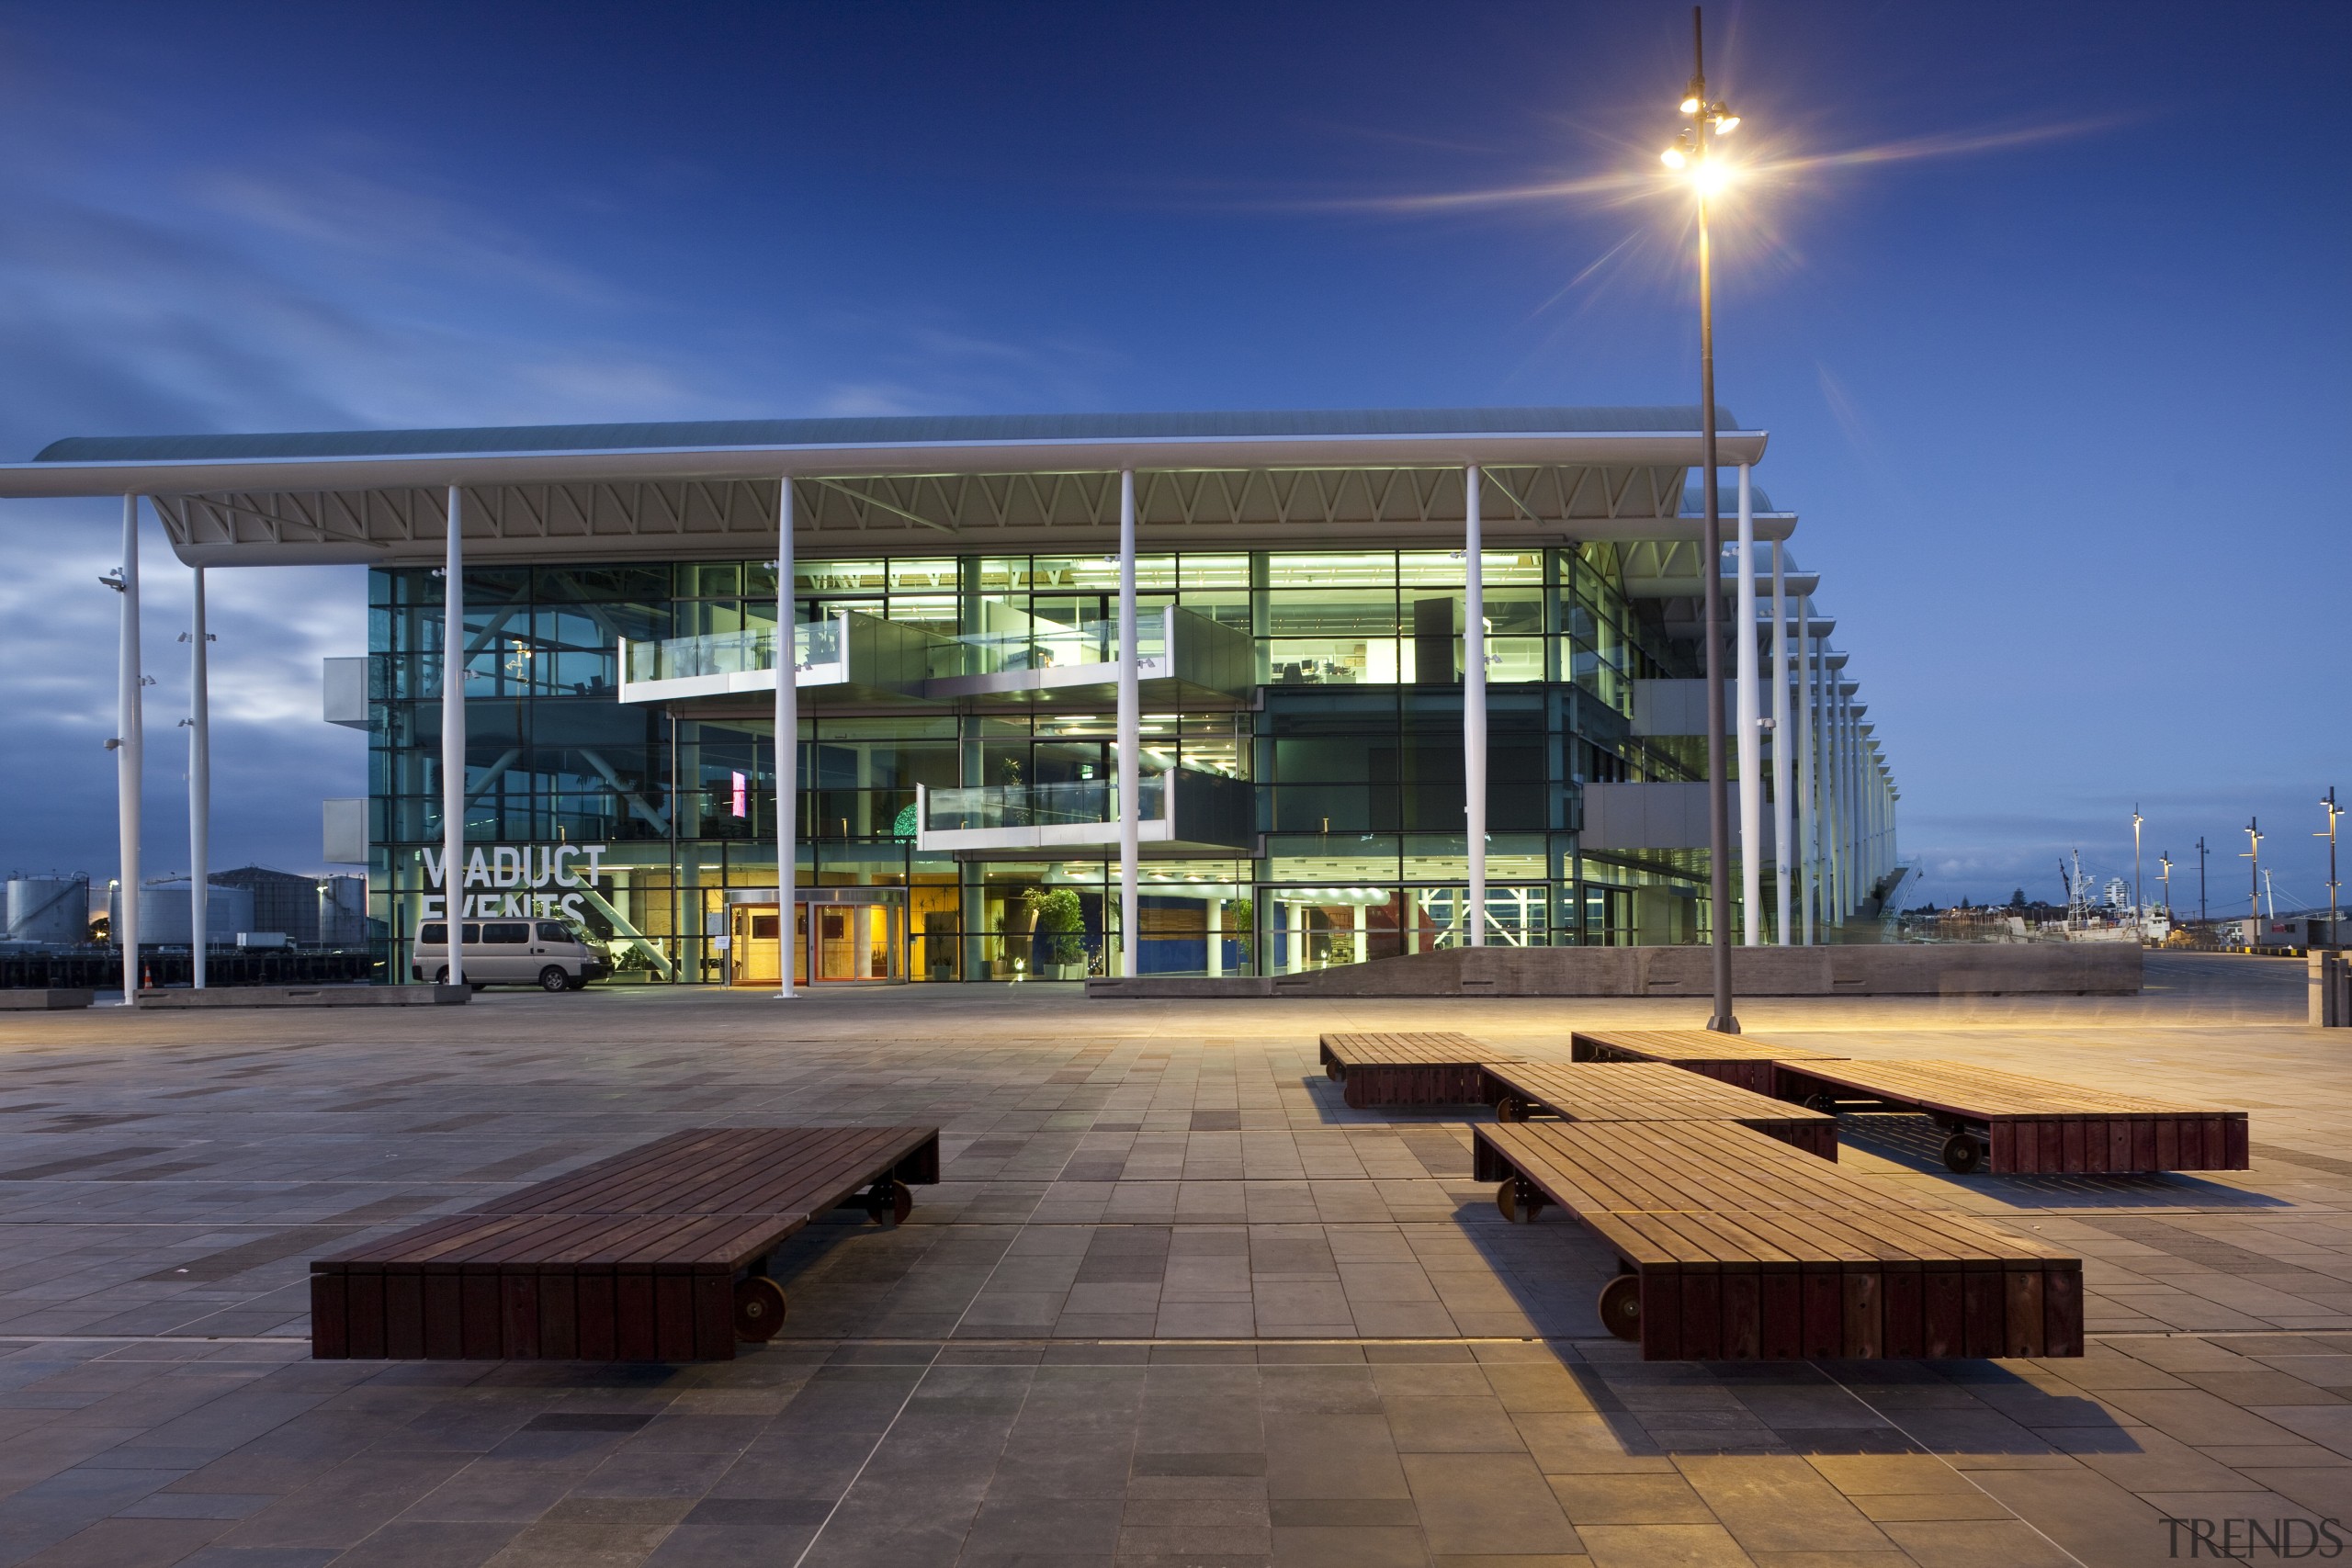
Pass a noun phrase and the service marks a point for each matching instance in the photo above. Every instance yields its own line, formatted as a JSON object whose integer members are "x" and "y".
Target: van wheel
{"x": 554, "y": 979}
{"x": 441, "y": 976}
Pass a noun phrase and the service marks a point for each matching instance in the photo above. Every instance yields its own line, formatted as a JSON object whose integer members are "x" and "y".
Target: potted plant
{"x": 1060, "y": 924}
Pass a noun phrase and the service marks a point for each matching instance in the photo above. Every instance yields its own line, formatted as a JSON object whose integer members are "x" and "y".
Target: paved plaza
{"x": 1172, "y": 1302}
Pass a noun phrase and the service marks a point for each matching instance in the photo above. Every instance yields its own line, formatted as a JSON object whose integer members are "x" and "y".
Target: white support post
{"x": 453, "y": 734}
{"x": 1215, "y": 928}
{"x": 129, "y": 755}
{"x": 787, "y": 744}
{"x": 1130, "y": 737}
{"x": 1808, "y": 772}
{"x": 1474, "y": 698}
{"x": 1844, "y": 776}
{"x": 1833, "y": 808}
{"x": 1832, "y": 811}
{"x": 1751, "y": 784}
{"x": 1783, "y": 823}
{"x": 200, "y": 789}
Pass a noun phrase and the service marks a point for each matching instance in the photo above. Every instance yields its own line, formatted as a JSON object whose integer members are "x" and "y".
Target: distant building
{"x": 283, "y": 901}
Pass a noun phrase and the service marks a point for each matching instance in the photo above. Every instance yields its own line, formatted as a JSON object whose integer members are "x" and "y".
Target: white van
{"x": 546, "y": 953}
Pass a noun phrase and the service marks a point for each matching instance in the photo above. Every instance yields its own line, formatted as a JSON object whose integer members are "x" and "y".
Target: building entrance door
{"x": 838, "y": 938}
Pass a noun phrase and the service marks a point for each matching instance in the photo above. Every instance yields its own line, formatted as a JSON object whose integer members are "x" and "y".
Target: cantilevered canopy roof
{"x": 945, "y": 484}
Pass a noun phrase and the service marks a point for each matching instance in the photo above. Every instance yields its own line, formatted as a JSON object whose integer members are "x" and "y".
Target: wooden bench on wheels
{"x": 656, "y": 1254}
{"x": 1649, "y": 1091}
{"x": 2027, "y": 1125}
{"x": 1409, "y": 1069}
{"x": 1738, "y": 1059}
{"x": 1734, "y": 1247}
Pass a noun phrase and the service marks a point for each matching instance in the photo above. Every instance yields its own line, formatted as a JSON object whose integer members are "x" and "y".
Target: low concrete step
{"x": 302, "y": 995}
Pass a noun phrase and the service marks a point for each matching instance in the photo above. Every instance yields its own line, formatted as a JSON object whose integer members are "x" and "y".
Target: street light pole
{"x": 1690, "y": 154}
{"x": 2139, "y": 870}
{"x": 2254, "y": 878}
{"x": 2200, "y": 880}
{"x": 2334, "y": 899}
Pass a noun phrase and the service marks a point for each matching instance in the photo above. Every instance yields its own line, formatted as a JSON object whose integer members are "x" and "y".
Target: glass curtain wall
{"x": 1355, "y": 749}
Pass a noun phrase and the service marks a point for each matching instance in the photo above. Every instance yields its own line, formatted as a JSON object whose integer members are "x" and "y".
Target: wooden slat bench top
{"x": 1964, "y": 1089}
{"x": 1692, "y": 1045}
{"x": 1641, "y": 1091}
{"x": 718, "y": 1170}
{"x": 1701, "y": 1193}
{"x": 1432, "y": 1049}
{"x": 634, "y": 1258}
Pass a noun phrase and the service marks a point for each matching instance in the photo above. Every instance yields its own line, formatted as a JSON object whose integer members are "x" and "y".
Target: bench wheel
{"x": 1825, "y": 1103}
{"x": 1510, "y": 1108}
{"x": 1620, "y": 1307}
{"x": 1335, "y": 1072}
{"x": 1963, "y": 1154}
{"x": 1519, "y": 1200}
{"x": 889, "y": 1201}
{"x": 759, "y": 1308}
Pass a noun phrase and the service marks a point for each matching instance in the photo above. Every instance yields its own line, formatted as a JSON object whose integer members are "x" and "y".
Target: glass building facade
{"x": 1330, "y": 744}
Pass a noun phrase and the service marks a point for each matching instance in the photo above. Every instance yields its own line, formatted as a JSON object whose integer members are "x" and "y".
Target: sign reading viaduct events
{"x": 524, "y": 878}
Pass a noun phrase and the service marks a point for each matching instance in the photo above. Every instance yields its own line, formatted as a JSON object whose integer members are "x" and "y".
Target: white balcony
{"x": 1180, "y": 811}
{"x": 1181, "y": 657}
{"x": 849, "y": 658}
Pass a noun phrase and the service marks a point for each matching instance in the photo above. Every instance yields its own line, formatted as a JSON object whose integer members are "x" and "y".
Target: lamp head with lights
{"x": 1689, "y": 150}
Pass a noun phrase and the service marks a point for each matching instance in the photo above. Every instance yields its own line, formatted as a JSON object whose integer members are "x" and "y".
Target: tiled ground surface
{"x": 1173, "y": 1303}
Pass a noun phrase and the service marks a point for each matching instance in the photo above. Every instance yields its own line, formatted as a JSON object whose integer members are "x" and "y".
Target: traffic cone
{"x": 147, "y": 977}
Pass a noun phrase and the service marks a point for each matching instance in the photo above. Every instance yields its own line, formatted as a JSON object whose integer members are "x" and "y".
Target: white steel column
{"x": 453, "y": 735}
{"x": 1473, "y": 697}
{"x": 1214, "y": 924}
{"x": 1851, "y": 781}
{"x": 1833, "y": 774}
{"x": 127, "y": 756}
{"x": 1808, "y": 772}
{"x": 1130, "y": 736}
{"x": 1832, "y": 808}
{"x": 1751, "y": 799}
{"x": 200, "y": 788}
{"x": 787, "y": 744}
{"x": 1781, "y": 824}
{"x": 1847, "y": 902}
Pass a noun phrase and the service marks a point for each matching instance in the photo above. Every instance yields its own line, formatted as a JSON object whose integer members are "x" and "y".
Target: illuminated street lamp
{"x": 2139, "y": 877}
{"x": 2254, "y": 878}
{"x": 1690, "y": 156}
{"x": 2335, "y": 900}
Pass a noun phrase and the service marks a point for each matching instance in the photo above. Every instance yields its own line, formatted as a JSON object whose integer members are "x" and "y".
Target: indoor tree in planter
{"x": 1060, "y": 920}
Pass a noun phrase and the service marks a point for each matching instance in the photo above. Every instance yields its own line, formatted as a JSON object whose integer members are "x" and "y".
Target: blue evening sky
{"x": 2044, "y": 307}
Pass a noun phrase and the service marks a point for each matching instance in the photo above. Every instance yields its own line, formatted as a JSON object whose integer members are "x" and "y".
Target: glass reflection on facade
{"x": 1346, "y": 732}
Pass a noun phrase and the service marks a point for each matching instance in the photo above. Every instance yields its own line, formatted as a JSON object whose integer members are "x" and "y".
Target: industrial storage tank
{"x": 342, "y": 912}
{"x": 163, "y": 913}
{"x": 53, "y": 910}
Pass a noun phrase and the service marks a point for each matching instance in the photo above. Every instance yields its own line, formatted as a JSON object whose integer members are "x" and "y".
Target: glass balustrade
{"x": 1035, "y": 805}
{"x": 1044, "y": 646}
{"x": 731, "y": 653}
{"x": 1050, "y": 645}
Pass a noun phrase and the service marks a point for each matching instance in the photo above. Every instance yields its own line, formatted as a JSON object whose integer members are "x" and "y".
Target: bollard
{"x": 2331, "y": 990}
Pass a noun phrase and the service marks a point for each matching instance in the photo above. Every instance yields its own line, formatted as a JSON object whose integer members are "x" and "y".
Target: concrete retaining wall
{"x": 42, "y": 998}
{"x": 1893, "y": 970}
{"x": 305, "y": 996}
